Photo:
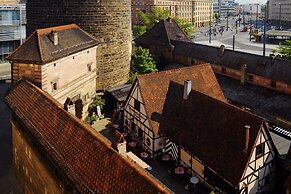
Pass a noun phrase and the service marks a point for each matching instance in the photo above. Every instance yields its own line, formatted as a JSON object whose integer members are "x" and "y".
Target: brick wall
{"x": 108, "y": 21}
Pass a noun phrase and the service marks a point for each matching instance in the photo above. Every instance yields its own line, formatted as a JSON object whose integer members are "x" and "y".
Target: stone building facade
{"x": 195, "y": 12}
{"x": 280, "y": 12}
{"x": 108, "y": 21}
{"x": 62, "y": 62}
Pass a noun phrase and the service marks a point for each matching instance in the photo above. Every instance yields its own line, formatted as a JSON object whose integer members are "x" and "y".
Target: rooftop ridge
{"x": 56, "y": 28}
{"x": 172, "y": 70}
{"x": 26, "y": 40}
{"x": 99, "y": 138}
{"x": 225, "y": 104}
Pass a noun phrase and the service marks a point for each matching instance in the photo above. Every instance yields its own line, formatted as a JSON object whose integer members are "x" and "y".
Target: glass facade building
{"x": 12, "y": 28}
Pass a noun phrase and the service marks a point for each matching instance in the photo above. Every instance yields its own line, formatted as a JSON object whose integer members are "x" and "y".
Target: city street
{"x": 4, "y": 71}
{"x": 242, "y": 39}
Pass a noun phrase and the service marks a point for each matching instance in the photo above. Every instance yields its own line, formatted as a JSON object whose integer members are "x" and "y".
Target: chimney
{"x": 54, "y": 37}
{"x": 187, "y": 89}
{"x": 170, "y": 19}
{"x": 247, "y": 128}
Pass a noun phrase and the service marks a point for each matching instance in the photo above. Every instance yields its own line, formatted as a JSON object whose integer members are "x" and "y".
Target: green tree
{"x": 138, "y": 30}
{"x": 284, "y": 50}
{"x": 187, "y": 27}
{"x": 142, "y": 61}
{"x": 156, "y": 14}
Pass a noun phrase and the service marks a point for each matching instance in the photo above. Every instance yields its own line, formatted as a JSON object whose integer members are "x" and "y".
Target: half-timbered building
{"x": 55, "y": 152}
{"x": 228, "y": 149}
{"x": 145, "y": 102}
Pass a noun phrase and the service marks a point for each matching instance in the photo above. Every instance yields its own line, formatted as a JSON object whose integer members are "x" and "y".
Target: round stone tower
{"x": 109, "y": 21}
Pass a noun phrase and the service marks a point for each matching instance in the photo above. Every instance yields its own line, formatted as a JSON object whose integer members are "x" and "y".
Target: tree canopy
{"x": 284, "y": 50}
{"x": 142, "y": 61}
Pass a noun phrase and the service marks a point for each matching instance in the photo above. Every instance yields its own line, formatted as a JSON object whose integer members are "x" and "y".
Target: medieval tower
{"x": 109, "y": 21}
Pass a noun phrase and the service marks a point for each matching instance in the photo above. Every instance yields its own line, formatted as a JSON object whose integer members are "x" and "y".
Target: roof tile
{"x": 83, "y": 155}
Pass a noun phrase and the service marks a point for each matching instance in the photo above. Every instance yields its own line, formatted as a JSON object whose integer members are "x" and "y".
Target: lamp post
{"x": 265, "y": 20}
{"x": 257, "y": 15}
{"x": 280, "y": 15}
{"x": 210, "y": 24}
{"x": 227, "y": 18}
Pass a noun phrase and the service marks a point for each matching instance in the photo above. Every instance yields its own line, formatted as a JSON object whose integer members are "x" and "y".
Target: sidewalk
{"x": 5, "y": 72}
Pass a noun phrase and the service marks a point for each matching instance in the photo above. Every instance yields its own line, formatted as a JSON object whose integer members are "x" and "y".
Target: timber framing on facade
{"x": 56, "y": 152}
{"x": 145, "y": 102}
{"x": 228, "y": 149}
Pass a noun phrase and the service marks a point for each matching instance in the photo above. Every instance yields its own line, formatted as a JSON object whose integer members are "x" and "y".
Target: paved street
{"x": 242, "y": 42}
{"x": 7, "y": 180}
{"x": 4, "y": 71}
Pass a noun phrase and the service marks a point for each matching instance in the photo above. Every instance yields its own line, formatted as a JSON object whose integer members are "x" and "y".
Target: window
{"x": 136, "y": 105}
{"x": 55, "y": 64}
{"x": 54, "y": 86}
{"x": 148, "y": 142}
{"x": 89, "y": 66}
{"x": 260, "y": 150}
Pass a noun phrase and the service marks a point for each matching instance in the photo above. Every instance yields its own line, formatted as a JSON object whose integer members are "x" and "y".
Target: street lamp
{"x": 257, "y": 15}
{"x": 265, "y": 20}
{"x": 280, "y": 15}
{"x": 227, "y": 18}
{"x": 210, "y": 23}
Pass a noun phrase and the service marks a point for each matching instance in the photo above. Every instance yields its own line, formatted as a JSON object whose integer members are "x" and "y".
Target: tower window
{"x": 89, "y": 67}
{"x": 54, "y": 86}
{"x": 260, "y": 150}
{"x": 136, "y": 105}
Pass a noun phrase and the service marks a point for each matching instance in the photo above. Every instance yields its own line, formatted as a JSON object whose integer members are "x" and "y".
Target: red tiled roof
{"x": 162, "y": 34}
{"x": 212, "y": 130}
{"x": 154, "y": 87}
{"x": 39, "y": 49}
{"x": 83, "y": 156}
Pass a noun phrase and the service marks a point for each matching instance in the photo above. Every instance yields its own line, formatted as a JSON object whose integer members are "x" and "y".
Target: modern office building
{"x": 12, "y": 27}
{"x": 227, "y": 7}
{"x": 280, "y": 12}
{"x": 252, "y": 9}
{"x": 216, "y": 6}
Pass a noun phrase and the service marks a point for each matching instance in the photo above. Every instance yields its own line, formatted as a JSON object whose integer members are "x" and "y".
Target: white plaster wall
{"x": 71, "y": 75}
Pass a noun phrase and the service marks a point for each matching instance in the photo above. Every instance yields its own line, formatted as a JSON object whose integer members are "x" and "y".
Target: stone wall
{"x": 33, "y": 173}
{"x": 108, "y": 21}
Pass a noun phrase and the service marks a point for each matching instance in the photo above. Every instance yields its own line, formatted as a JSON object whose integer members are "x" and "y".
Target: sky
{"x": 250, "y": 1}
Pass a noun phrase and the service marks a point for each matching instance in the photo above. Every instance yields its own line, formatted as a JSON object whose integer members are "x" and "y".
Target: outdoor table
{"x": 179, "y": 170}
{"x": 194, "y": 180}
{"x": 166, "y": 157}
{"x": 144, "y": 155}
{"x": 132, "y": 144}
